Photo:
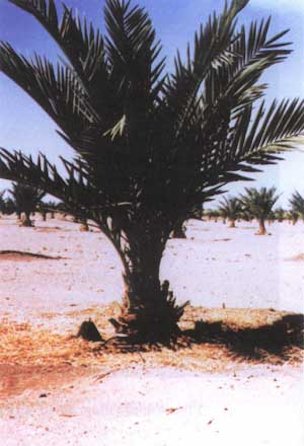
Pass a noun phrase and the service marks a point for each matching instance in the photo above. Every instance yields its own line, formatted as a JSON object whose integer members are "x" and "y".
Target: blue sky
{"x": 23, "y": 125}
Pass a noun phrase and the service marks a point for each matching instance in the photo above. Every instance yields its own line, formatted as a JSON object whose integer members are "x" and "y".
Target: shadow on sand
{"x": 271, "y": 339}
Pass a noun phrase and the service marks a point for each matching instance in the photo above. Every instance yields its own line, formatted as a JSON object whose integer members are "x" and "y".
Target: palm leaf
{"x": 297, "y": 204}
{"x": 80, "y": 42}
{"x": 134, "y": 64}
{"x": 56, "y": 89}
{"x": 253, "y": 52}
{"x": 211, "y": 48}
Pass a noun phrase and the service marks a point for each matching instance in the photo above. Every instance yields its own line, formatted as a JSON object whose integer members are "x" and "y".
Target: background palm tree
{"x": 212, "y": 214}
{"x": 230, "y": 208}
{"x": 150, "y": 146}
{"x": 48, "y": 207}
{"x": 259, "y": 204}
{"x": 26, "y": 199}
{"x": 297, "y": 204}
{"x": 7, "y": 206}
{"x": 279, "y": 214}
{"x": 292, "y": 217}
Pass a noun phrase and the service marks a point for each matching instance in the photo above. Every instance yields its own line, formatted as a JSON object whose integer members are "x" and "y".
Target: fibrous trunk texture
{"x": 149, "y": 312}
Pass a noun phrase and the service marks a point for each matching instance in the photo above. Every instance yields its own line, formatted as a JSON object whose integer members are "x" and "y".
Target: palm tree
{"x": 279, "y": 214}
{"x": 297, "y": 205}
{"x": 26, "y": 200}
{"x": 259, "y": 204}
{"x": 292, "y": 217}
{"x": 150, "y": 146}
{"x": 7, "y": 206}
{"x": 48, "y": 207}
{"x": 212, "y": 214}
{"x": 231, "y": 208}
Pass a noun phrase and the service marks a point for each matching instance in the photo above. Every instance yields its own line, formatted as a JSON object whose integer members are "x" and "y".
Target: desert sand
{"x": 134, "y": 399}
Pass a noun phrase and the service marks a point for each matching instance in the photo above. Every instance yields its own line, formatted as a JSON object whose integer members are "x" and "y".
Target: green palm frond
{"x": 259, "y": 202}
{"x": 133, "y": 53}
{"x": 253, "y": 139}
{"x": 268, "y": 131}
{"x": 79, "y": 195}
{"x": 253, "y": 52}
{"x": 211, "y": 50}
{"x": 230, "y": 207}
{"x": 73, "y": 189}
{"x": 78, "y": 39}
{"x": 297, "y": 204}
{"x": 56, "y": 89}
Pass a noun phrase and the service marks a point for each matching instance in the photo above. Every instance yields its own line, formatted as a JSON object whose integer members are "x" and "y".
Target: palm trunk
{"x": 179, "y": 230}
{"x": 262, "y": 229}
{"x": 232, "y": 224}
{"x": 149, "y": 312}
{"x": 84, "y": 227}
{"x": 26, "y": 220}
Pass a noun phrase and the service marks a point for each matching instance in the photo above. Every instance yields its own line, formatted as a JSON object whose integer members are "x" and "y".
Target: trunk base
{"x": 26, "y": 222}
{"x": 151, "y": 322}
{"x": 179, "y": 233}
{"x": 262, "y": 229}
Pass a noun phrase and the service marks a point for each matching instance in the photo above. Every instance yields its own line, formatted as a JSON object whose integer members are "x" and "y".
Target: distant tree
{"x": 52, "y": 208}
{"x": 231, "y": 208}
{"x": 26, "y": 200}
{"x": 149, "y": 145}
{"x": 292, "y": 217}
{"x": 279, "y": 214}
{"x": 47, "y": 207}
{"x": 297, "y": 204}
{"x": 42, "y": 210}
{"x": 259, "y": 204}
{"x": 7, "y": 206}
{"x": 212, "y": 214}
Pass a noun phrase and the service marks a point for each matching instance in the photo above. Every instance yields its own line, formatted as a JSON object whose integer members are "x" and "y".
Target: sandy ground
{"x": 163, "y": 407}
{"x": 141, "y": 404}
